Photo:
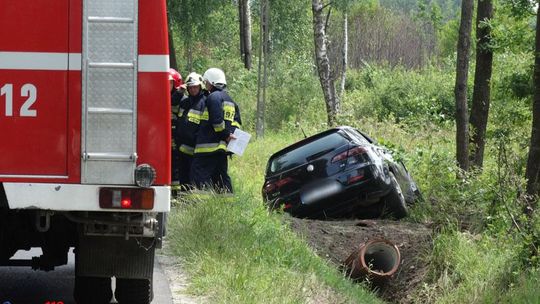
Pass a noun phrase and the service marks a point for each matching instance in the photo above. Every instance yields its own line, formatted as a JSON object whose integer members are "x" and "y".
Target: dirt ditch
{"x": 336, "y": 240}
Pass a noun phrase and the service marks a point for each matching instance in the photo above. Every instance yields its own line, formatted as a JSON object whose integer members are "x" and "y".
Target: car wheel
{"x": 395, "y": 201}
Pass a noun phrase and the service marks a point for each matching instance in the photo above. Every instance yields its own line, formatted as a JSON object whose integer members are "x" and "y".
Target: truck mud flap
{"x": 100, "y": 256}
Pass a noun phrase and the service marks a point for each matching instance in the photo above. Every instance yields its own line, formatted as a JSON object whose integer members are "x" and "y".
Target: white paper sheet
{"x": 238, "y": 145}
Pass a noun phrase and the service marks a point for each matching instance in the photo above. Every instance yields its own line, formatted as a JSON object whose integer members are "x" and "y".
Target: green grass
{"x": 525, "y": 290}
{"x": 468, "y": 268}
{"x": 236, "y": 252}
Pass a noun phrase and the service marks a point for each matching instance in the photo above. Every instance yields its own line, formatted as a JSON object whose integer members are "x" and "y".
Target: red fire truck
{"x": 85, "y": 140}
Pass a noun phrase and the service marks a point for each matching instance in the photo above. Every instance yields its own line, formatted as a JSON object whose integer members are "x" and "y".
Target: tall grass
{"x": 468, "y": 268}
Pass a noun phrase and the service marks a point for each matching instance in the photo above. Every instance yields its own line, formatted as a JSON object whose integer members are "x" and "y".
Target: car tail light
{"x": 349, "y": 155}
{"x": 353, "y": 179}
{"x": 126, "y": 198}
{"x": 271, "y": 187}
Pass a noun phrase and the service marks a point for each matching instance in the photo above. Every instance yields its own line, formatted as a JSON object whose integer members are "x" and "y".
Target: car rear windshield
{"x": 300, "y": 155}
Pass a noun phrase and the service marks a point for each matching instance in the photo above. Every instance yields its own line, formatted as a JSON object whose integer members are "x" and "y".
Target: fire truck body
{"x": 85, "y": 138}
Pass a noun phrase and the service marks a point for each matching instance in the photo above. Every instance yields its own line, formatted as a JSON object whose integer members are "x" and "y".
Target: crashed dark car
{"x": 338, "y": 173}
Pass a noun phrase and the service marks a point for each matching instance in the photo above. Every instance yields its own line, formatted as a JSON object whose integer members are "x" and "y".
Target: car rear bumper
{"x": 71, "y": 197}
{"x": 360, "y": 194}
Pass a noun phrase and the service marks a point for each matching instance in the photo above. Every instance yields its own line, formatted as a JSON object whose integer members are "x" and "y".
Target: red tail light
{"x": 126, "y": 198}
{"x": 126, "y": 203}
{"x": 270, "y": 187}
{"x": 359, "y": 175}
{"x": 349, "y": 153}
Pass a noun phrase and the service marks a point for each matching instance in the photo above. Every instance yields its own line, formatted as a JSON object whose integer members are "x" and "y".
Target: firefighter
{"x": 192, "y": 111}
{"x": 177, "y": 95}
{"x": 210, "y": 165}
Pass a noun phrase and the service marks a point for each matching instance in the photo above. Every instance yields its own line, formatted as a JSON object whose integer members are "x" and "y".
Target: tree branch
{"x": 327, "y": 20}
{"x": 327, "y": 4}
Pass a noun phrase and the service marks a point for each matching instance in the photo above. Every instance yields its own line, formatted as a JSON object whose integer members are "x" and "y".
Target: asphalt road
{"x": 22, "y": 285}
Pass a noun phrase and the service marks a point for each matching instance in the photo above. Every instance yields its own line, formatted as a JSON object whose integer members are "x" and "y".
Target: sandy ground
{"x": 178, "y": 281}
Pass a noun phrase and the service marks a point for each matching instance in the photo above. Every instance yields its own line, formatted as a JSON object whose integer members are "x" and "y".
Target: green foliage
{"x": 525, "y": 290}
{"x": 447, "y": 38}
{"x": 468, "y": 268}
{"x": 291, "y": 27}
{"x": 400, "y": 95}
{"x": 513, "y": 28}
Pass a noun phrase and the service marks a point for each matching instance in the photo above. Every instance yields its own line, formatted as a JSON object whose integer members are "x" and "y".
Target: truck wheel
{"x": 395, "y": 201}
{"x": 133, "y": 291}
{"x": 92, "y": 290}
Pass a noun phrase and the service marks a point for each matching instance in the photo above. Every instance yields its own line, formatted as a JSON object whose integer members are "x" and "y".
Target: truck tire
{"x": 133, "y": 291}
{"x": 92, "y": 290}
{"x": 395, "y": 201}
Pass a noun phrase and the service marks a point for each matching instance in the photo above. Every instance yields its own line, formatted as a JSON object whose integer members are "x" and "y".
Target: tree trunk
{"x": 345, "y": 54}
{"x": 462, "y": 71}
{"x": 533, "y": 163}
{"x": 482, "y": 83}
{"x": 172, "y": 52}
{"x": 187, "y": 41}
{"x": 241, "y": 32}
{"x": 323, "y": 64}
{"x": 245, "y": 33}
{"x": 262, "y": 79}
{"x": 266, "y": 47}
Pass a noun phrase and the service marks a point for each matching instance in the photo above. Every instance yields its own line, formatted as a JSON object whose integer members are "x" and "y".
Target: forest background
{"x": 397, "y": 83}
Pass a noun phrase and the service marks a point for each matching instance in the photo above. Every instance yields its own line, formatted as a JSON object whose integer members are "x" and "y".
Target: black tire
{"x": 395, "y": 201}
{"x": 133, "y": 291}
{"x": 92, "y": 290}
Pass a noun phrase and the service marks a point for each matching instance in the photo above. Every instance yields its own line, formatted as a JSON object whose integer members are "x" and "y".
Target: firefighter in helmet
{"x": 177, "y": 95}
{"x": 192, "y": 112}
{"x": 210, "y": 165}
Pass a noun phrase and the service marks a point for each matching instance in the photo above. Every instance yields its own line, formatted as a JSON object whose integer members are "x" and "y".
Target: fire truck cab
{"x": 85, "y": 140}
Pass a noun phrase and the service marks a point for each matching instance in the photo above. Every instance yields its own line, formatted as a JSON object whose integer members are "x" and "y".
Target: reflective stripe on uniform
{"x": 236, "y": 124}
{"x": 187, "y": 149}
{"x": 210, "y": 147}
{"x": 179, "y": 110}
{"x": 195, "y": 116}
{"x": 228, "y": 110}
{"x": 219, "y": 127}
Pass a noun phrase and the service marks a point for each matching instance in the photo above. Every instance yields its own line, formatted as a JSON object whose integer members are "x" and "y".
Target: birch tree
{"x": 344, "y": 54}
{"x": 322, "y": 61}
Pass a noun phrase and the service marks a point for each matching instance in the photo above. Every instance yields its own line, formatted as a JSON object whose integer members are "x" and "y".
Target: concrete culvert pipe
{"x": 377, "y": 259}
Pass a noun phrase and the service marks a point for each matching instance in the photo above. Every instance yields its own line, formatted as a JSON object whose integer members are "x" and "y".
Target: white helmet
{"x": 215, "y": 76}
{"x": 194, "y": 79}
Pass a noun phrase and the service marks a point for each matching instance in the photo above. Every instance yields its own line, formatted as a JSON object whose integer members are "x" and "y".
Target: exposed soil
{"x": 336, "y": 240}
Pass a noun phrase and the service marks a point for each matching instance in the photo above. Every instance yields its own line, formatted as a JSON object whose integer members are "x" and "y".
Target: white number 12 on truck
{"x": 85, "y": 140}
